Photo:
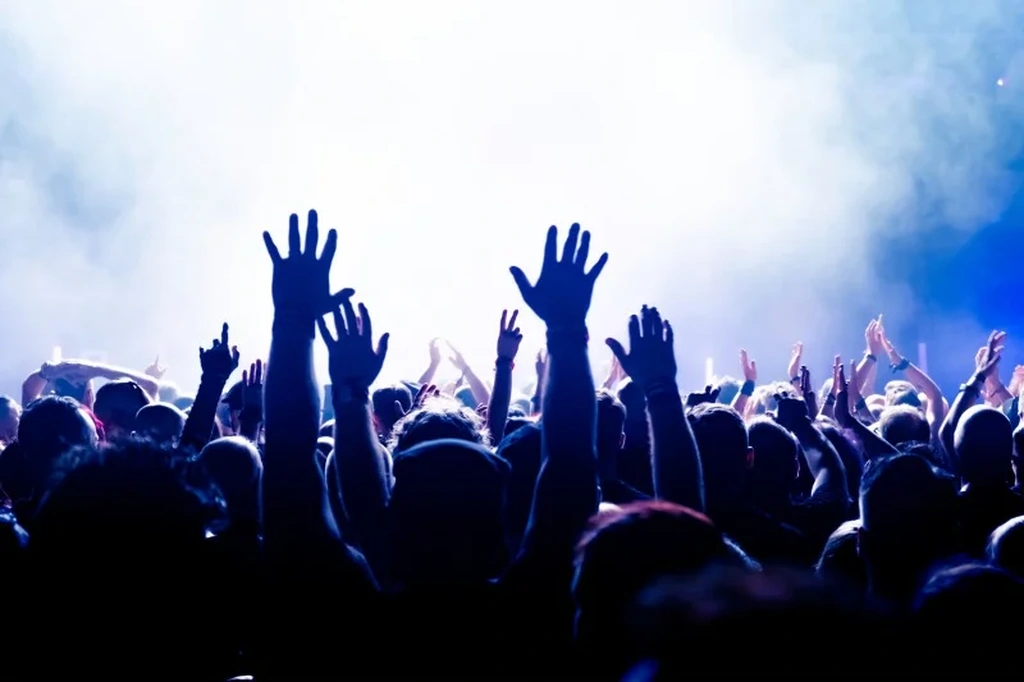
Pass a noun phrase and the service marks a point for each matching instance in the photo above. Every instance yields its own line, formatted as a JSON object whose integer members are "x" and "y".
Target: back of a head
{"x": 775, "y": 459}
{"x": 984, "y": 445}
{"x": 901, "y": 392}
{"x": 763, "y": 401}
{"x": 235, "y": 466}
{"x": 132, "y": 519}
{"x": 1006, "y": 546}
{"x": 686, "y": 628}
{"x": 839, "y": 562}
{"x": 384, "y": 399}
{"x": 447, "y": 511}
{"x": 903, "y": 424}
{"x": 623, "y": 551}
{"x": 908, "y": 511}
{"x": 978, "y": 601}
{"x": 522, "y": 450}
{"x": 161, "y": 423}
{"x": 439, "y": 419}
{"x": 49, "y": 428}
{"x": 728, "y": 388}
{"x": 722, "y": 442}
{"x": 117, "y": 403}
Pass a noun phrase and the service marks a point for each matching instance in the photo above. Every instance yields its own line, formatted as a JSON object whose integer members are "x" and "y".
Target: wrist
{"x": 349, "y": 393}
{"x": 899, "y": 364}
{"x": 660, "y": 386}
{"x": 289, "y": 321}
{"x": 747, "y": 388}
{"x": 870, "y": 356}
{"x": 567, "y": 337}
{"x": 504, "y": 363}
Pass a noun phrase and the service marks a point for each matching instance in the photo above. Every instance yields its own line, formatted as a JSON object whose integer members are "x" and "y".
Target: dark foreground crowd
{"x": 748, "y": 530}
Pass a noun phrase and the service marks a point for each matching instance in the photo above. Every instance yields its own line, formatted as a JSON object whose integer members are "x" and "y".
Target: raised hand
{"x": 541, "y": 362}
{"x": 708, "y": 395}
{"x": 651, "y": 358}
{"x": 795, "y": 358}
{"x": 842, "y": 412}
{"x": 837, "y": 376}
{"x": 792, "y": 413}
{"x": 426, "y": 392}
{"x": 435, "y": 352}
{"x": 354, "y": 362}
{"x": 155, "y": 370}
{"x": 1016, "y": 381}
{"x": 301, "y": 282}
{"x": 807, "y": 391}
{"x": 988, "y": 362}
{"x": 457, "y": 359}
{"x": 221, "y": 359}
{"x": 562, "y": 293}
{"x": 509, "y": 337}
{"x": 873, "y": 337}
{"x": 748, "y": 366}
{"x": 252, "y": 388}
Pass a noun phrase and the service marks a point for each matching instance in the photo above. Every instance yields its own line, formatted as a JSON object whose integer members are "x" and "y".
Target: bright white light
{"x": 1000, "y": 82}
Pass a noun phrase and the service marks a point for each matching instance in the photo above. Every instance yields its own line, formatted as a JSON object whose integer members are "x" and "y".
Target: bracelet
{"x": 871, "y": 356}
{"x": 900, "y": 366}
{"x": 830, "y": 400}
{"x": 795, "y": 380}
{"x": 747, "y": 388}
{"x": 861, "y": 404}
{"x": 505, "y": 362}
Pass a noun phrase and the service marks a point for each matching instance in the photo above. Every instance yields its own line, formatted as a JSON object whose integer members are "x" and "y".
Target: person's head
{"x": 447, "y": 513}
{"x": 132, "y": 519}
{"x": 439, "y": 418}
{"x": 465, "y": 396}
{"x": 725, "y": 453}
{"x": 776, "y": 463}
{"x": 728, "y": 388}
{"x": 10, "y": 415}
{"x": 168, "y": 392}
{"x": 386, "y": 403}
{"x": 901, "y": 392}
{"x": 1006, "y": 546}
{"x": 631, "y": 395}
{"x": 903, "y": 424}
{"x": 984, "y": 446}
{"x": 764, "y": 399}
{"x": 611, "y": 419}
{"x": 908, "y": 521}
{"x": 979, "y": 601}
{"x": 625, "y": 550}
{"x": 117, "y": 404}
{"x": 234, "y": 464}
{"x": 839, "y": 561}
{"x": 49, "y": 428}
{"x": 849, "y": 452}
{"x": 161, "y": 423}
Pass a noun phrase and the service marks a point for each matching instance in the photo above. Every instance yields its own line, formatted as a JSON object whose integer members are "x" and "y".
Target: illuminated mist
{"x": 737, "y": 160}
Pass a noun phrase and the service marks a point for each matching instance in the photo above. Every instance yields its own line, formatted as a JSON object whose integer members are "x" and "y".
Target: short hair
{"x": 763, "y": 400}
{"x": 384, "y": 399}
{"x": 118, "y": 402}
{"x": 776, "y": 454}
{"x": 728, "y": 388}
{"x": 723, "y": 445}
{"x": 52, "y": 425}
{"x": 900, "y": 392}
{"x": 984, "y": 443}
{"x": 160, "y": 422}
{"x": 440, "y": 418}
{"x": 906, "y": 504}
{"x": 1005, "y": 546}
{"x": 903, "y": 424}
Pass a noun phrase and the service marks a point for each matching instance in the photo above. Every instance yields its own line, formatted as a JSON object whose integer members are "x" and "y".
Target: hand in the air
{"x": 426, "y": 392}
{"x": 155, "y": 370}
{"x": 301, "y": 282}
{"x": 509, "y": 336}
{"x": 252, "y": 388}
{"x": 791, "y": 413}
{"x": 988, "y": 357}
{"x": 748, "y": 366}
{"x": 561, "y": 296}
{"x": 795, "y": 358}
{"x": 221, "y": 359}
{"x": 650, "y": 358}
{"x": 807, "y": 391}
{"x": 353, "y": 361}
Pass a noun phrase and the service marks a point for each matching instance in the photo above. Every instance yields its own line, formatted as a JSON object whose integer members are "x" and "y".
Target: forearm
{"x": 924, "y": 383}
{"x": 111, "y": 373}
{"x": 739, "y": 402}
{"x": 362, "y": 479}
{"x": 428, "y": 376}
{"x": 501, "y": 397}
{"x": 201, "y": 417}
{"x": 294, "y": 494}
{"x": 823, "y": 461}
{"x": 675, "y": 461}
{"x": 964, "y": 400}
{"x": 481, "y": 394}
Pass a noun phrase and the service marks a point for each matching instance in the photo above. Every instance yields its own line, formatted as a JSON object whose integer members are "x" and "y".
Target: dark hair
{"x": 384, "y": 400}
{"x": 49, "y": 427}
{"x": 438, "y": 419}
{"x": 118, "y": 402}
{"x": 722, "y": 442}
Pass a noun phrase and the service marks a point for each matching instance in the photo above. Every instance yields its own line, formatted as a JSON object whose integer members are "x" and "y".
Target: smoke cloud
{"x": 739, "y": 160}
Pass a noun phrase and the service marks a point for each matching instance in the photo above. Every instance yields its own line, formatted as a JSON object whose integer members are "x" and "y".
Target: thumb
{"x": 521, "y": 281}
{"x": 382, "y": 346}
{"x": 617, "y": 350}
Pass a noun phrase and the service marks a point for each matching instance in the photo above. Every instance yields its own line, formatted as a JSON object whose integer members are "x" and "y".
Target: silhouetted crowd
{"x": 623, "y": 531}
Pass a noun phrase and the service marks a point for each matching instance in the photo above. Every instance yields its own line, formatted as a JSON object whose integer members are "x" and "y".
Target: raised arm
{"x": 936, "y": 408}
{"x": 481, "y": 394}
{"x": 217, "y": 364}
{"x": 355, "y": 364}
{"x": 749, "y": 367}
{"x": 567, "y": 492}
{"x": 651, "y": 362}
{"x": 822, "y": 459}
{"x": 296, "y": 515}
{"x": 969, "y": 393}
{"x": 509, "y": 339}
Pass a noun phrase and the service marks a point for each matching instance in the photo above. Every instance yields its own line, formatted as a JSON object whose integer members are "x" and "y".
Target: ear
{"x": 750, "y": 458}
